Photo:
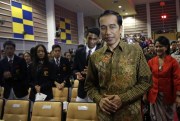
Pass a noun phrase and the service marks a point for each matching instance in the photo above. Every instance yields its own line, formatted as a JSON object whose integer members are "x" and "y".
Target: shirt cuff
{"x": 97, "y": 98}
{"x": 124, "y": 98}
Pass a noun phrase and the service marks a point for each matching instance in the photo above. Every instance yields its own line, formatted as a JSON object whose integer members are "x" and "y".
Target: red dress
{"x": 166, "y": 80}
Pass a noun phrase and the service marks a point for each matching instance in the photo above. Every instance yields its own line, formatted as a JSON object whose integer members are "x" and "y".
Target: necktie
{"x": 11, "y": 64}
{"x": 10, "y": 61}
{"x": 57, "y": 62}
{"x": 87, "y": 59}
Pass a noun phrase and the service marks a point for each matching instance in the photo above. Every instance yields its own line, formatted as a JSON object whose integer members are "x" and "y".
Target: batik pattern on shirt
{"x": 123, "y": 72}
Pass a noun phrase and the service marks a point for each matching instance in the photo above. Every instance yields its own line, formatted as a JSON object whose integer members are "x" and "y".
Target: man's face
{"x": 178, "y": 44}
{"x": 174, "y": 46}
{"x": 9, "y": 50}
{"x": 92, "y": 40}
{"x": 57, "y": 52}
{"x": 68, "y": 55}
{"x": 151, "y": 47}
{"x": 110, "y": 30}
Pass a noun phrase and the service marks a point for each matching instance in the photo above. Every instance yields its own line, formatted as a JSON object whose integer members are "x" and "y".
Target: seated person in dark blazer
{"x": 68, "y": 55}
{"x": 63, "y": 69}
{"x": 81, "y": 61}
{"x": 42, "y": 74}
{"x": 13, "y": 73}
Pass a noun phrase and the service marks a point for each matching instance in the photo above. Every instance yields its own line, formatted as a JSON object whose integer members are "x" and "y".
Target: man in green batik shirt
{"x": 118, "y": 74}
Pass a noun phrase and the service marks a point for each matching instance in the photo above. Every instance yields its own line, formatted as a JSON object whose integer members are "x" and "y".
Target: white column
{"x": 178, "y": 15}
{"x": 51, "y": 29}
{"x": 148, "y": 19}
{"x": 80, "y": 22}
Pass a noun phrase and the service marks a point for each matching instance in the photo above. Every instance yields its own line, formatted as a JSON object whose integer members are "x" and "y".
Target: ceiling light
{"x": 120, "y": 6}
{"x": 126, "y": 13}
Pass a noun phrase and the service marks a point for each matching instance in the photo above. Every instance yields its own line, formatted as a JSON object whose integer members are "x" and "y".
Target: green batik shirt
{"x": 123, "y": 72}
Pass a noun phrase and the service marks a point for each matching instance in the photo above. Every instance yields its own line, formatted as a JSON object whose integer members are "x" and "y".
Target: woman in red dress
{"x": 166, "y": 82}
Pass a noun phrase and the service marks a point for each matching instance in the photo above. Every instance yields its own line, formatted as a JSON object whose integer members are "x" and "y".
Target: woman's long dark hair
{"x": 36, "y": 58}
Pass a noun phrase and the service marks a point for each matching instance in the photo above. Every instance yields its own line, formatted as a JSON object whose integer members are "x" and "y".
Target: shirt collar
{"x": 12, "y": 58}
{"x": 121, "y": 46}
{"x": 58, "y": 58}
{"x": 92, "y": 50}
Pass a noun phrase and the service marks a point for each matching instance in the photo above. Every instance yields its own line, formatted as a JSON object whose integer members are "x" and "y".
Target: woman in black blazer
{"x": 42, "y": 74}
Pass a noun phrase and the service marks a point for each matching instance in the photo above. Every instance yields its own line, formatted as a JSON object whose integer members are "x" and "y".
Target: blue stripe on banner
{"x": 62, "y": 30}
{"x": 68, "y": 36}
{"x": 18, "y": 36}
{"x": 17, "y": 20}
{"x": 67, "y": 26}
{"x": 27, "y": 15}
{"x": 28, "y": 29}
{"x": 16, "y": 4}
{"x": 63, "y": 41}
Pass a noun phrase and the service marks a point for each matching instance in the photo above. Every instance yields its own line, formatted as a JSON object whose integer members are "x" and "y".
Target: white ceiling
{"x": 90, "y": 8}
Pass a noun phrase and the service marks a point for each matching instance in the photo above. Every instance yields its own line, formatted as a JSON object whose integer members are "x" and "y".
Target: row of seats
{"x": 60, "y": 95}
{"x": 19, "y": 110}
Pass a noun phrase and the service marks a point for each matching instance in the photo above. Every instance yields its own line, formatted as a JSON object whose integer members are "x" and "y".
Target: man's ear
{"x": 121, "y": 29}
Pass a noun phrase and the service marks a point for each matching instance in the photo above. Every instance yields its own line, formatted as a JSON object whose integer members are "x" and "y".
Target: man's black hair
{"x": 93, "y": 31}
{"x": 9, "y": 43}
{"x": 111, "y": 12}
{"x": 56, "y": 46}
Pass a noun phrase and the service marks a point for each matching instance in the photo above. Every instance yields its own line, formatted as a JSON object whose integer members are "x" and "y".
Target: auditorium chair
{"x": 74, "y": 94}
{"x": 2, "y": 101}
{"x": 16, "y": 110}
{"x": 60, "y": 95}
{"x": 1, "y": 92}
{"x": 47, "y": 111}
{"x": 76, "y": 83}
{"x": 81, "y": 112}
